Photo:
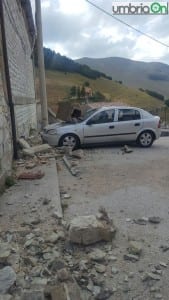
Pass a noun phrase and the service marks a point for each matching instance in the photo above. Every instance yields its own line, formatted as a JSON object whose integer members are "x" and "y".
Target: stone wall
{"x": 5, "y": 126}
{"x": 19, "y": 50}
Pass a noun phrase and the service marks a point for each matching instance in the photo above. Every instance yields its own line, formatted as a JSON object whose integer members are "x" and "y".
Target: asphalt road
{"x": 129, "y": 186}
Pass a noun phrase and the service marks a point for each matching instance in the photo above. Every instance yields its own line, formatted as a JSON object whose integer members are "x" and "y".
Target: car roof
{"x": 119, "y": 107}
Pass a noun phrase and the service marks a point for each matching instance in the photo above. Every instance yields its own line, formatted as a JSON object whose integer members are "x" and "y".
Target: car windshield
{"x": 89, "y": 113}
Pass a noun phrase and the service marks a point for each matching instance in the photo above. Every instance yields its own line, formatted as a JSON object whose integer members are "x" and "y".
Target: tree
{"x": 73, "y": 91}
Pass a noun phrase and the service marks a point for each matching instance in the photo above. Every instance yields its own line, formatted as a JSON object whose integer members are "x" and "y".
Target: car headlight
{"x": 51, "y": 131}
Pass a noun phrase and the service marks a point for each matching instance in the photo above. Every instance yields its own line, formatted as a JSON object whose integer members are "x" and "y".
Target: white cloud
{"x": 73, "y": 7}
{"x": 76, "y": 29}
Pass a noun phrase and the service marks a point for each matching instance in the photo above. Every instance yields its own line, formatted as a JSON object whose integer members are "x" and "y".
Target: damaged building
{"x": 17, "y": 85}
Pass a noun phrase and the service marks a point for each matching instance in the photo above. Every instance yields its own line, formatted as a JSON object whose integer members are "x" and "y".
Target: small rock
{"x": 88, "y": 230}
{"x": 63, "y": 275}
{"x": 33, "y": 295}
{"x": 131, "y": 257}
{"x": 66, "y": 196}
{"x": 163, "y": 264}
{"x": 97, "y": 255}
{"x": 150, "y": 276}
{"x": 7, "y": 279}
{"x": 154, "y": 220}
{"x": 45, "y": 201}
{"x": 52, "y": 238}
{"x": 4, "y": 252}
{"x": 158, "y": 296}
{"x": 135, "y": 248}
{"x": 154, "y": 289}
{"x": 114, "y": 271}
{"x": 141, "y": 221}
{"x": 112, "y": 258}
{"x": 104, "y": 294}
{"x": 100, "y": 268}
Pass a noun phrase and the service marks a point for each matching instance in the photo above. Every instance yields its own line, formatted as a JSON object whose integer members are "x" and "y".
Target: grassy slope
{"x": 58, "y": 86}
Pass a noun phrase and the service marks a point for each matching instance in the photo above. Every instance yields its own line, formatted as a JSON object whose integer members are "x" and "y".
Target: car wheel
{"x": 70, "y": 140}
{"x": 146, "y": 139}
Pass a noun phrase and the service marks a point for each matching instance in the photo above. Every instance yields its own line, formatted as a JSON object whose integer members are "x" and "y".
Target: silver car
{"x": 106, "y": 125}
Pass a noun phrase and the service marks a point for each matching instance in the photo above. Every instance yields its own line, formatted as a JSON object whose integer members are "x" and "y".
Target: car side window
{"x": 128, "y": 115}
{"x": 106, "y": 116}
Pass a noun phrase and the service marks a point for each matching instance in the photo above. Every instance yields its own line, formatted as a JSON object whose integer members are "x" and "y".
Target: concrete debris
{"x": 97, "y": 255}
{"x": 71, "y": 169}
{"x": 7, "y": 279}
{"x": 78, "y": 153}
{"x": 5, "y": 251}
{"x": 114, "y": 271}
{"x": 126, "y": 149}
{"x": 135, "y": 248}
{"x": 104, "y": 294}
{"x": 141, "y": 221}
{"x": 150, "y": 276}
{"x": 88, "y": 230}
{"x": 31, "y": 175}
{"x": 28, "y": 152}
{"x": 66, "y": 291}
{"x": 100, "y": 268}
{"x": 33, "y": 295}
{"x": 5, "y": 297}
{"x": 131, "y": 257}
{"x": 30, "y": 165}
{"x": 41, "y": 148}
{"x": 154, "y": 220}
{"x": 23, "y": 144}
{"x": 63, "y": 275}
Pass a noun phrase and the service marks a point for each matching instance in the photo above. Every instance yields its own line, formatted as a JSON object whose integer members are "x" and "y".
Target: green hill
{"x": 59, "y": 84}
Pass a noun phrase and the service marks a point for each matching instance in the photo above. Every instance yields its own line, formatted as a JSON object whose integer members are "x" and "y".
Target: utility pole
{"x": 41, "y": 67}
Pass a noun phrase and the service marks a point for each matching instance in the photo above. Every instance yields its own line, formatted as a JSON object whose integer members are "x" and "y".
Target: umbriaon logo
{"x": 138, "y": 8}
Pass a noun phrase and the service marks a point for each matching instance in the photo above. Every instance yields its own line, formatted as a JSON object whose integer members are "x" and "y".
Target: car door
{"x": 99, "y": 128}
{"x": 128, "y": 124}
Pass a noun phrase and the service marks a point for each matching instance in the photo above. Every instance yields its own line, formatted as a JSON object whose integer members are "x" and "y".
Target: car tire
{"x": 146, "y": 139}
{"x": 70, "y": 140}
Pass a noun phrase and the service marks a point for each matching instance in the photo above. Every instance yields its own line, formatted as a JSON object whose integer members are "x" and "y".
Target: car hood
{"x": 59, "y": 125}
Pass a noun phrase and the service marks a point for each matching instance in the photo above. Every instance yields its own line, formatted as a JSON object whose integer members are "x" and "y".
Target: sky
{"x": 76, "y": 29}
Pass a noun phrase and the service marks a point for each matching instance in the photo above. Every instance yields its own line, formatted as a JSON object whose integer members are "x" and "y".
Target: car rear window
{"x": 128, "y": 115}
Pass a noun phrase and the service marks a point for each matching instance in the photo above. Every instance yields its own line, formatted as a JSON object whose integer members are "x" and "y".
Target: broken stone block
{"x": 135, "y": 248}
{"x": 28, "y": 152}
{"x": 23, "y": 144}
{"x": 97, "y": 255}
{"x": 88, "y": 230}
{"x": 66, "y": 291}
{"x": 7, "y": 279}
{"x": 33, "y": 295}
{"x": 41, "y": 148}
{"x": 78, "y": 153}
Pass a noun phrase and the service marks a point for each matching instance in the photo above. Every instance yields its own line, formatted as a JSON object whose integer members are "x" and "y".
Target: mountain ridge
{"x": 146, "y": 75}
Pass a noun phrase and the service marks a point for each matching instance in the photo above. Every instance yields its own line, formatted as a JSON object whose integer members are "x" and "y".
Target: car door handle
{"x": 111, "y": 127}
{"x": 137, "y": 124}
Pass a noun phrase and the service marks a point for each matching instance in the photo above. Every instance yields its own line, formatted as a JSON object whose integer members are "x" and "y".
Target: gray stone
{"x": 7, "y": 279}
{"x": 52, "y": 238}
{"x": 112, "y": 258}
{"x": 100, "y": 268}
{"x": 158, "y": 296}
{"x": 63, "y": 275}
{"x": 154, "y": 220}
{"x": 97, "y": 255}
{"x": 5, "y": 297}
{"x": 150, "y": 276}
{"x": 28, "y": 152}
{"x": 41, "y": 148}
{"x": 131, "y": 257}
{"x": 114, "y": 271}
{"x": 4, "y": 252}
{"x": 87, "y": 230}
{"x": 33, "y": 295}
{"x": 23, "y": 144}
{"x": 66, "y": 291}
{"x": 135, "y": 248}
